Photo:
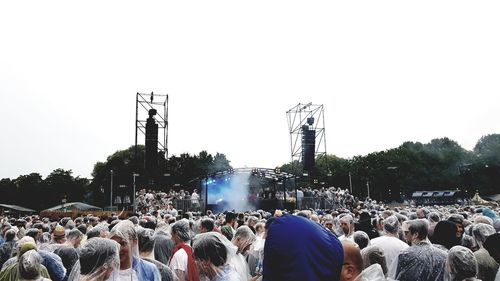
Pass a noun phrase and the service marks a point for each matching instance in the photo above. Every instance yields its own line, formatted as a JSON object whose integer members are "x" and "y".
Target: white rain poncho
{"x": 462, "y": 263}
{"x": 99, "y": 260}
{"x": 212, "y": 253}
{"x": 243, "y": 239}
{"x": 372, "y": 273}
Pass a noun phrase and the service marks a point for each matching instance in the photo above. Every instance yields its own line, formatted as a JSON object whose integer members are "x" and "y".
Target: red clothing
{"x": 191, "y": 268}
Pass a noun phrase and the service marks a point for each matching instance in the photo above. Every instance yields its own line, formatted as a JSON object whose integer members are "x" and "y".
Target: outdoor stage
{"x": 249, "y": 189}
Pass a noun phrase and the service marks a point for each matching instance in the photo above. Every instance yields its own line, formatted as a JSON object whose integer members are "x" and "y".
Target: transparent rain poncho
{"x": 213, "y": 254}
{"x": 391, "y": 224}
{"x": 99, "y": 260}
{"x": 163, "y": 247}
{"x": 30, "y": 264}
{"x": 372, "y": 273}
{"x": 374, "y": 255}
{"x": 243, "y": 238}
{"x": 462, "y": 263}
{"x": 421, "y": 261}
{"x": 481, "y": 231}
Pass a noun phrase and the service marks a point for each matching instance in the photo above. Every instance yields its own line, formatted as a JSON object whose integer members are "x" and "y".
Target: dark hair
{"x": 10, "y": 235}
{"x": 445, "y": 234}
{"x": 492, "y": 244}
{"x": 163, "y": 247}
{"x": 230, "y": 216}
{"x": 82, "y": 228}
{"x": 208, "y": 224}
{"x": 145, "y": 237}
{"x": 94, "y": 232}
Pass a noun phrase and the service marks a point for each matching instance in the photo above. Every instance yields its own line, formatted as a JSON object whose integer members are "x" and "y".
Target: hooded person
{"x": 12, "y": 272}
{"x": 374, "y": 255}
{"x": 182, "y": 263}
{"x": 146, "y": 251}
{"x": 132, "y": 267}
{"x": 365, "y": 224}
{"x": 461, "y": 264}
{"x": 212, "y": 252}
{"x": 487, "y": 266}
{"x": 298, "y": 249}
{"x": 29, "y": 266}
{"x": 69, "y": 257}
{"x": 99, "y": 260}
{"x": 163, "y": 247}
{"x": 445, "y": 235}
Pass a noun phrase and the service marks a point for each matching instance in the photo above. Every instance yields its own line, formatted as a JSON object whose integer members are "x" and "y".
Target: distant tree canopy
{"x": 440, "y": 164}
{"x": 32, "y": 191}
{"x": 437, "y": 165}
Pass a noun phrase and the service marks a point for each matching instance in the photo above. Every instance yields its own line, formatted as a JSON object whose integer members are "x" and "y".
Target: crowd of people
{"x": 365, "y": 241}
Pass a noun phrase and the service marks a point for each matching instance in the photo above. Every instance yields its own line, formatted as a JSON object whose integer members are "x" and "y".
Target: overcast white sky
{"x": 385, "y": 71}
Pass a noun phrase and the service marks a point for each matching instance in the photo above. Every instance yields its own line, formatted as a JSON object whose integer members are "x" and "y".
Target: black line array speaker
{"x": 151, "y": 153}
{"x": 308, "y": 147}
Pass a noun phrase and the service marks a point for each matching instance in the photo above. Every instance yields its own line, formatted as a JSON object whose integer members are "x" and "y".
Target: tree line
{"x": 390, "y": 174}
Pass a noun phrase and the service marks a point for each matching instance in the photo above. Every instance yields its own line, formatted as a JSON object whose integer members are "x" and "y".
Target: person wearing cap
{"x": 11, "y": 272}
{"x": 365, "y": 224}
{"x": 459, "y": 222}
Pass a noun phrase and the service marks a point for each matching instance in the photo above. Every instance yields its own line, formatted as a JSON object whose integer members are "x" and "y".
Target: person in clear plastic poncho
{"x": 243, "y": 239}
{"x": 132, "y": 267}
{"x": 99, "y": 260}
{"x": 212, "y": 251}
{"x": 30, "y": 264}
{"x": 421, "y": 261}
{"x": 461, "y": 264}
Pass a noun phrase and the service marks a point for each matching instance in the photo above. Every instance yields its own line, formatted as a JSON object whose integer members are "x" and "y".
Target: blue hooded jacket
{"x": 298, "y": 249}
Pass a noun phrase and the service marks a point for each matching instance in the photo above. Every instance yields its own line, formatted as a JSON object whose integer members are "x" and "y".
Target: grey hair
{"x": 182, "y": 230}
{"x": 74, "y": 234}
{"x": 420, "y": 226}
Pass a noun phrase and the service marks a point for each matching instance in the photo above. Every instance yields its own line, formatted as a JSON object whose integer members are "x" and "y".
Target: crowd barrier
{"x": 188, "y": 205}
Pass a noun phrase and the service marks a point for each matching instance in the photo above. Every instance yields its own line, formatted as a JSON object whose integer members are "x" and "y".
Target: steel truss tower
{"x": 311, "y": 115}
{"x": 143, "y": 104}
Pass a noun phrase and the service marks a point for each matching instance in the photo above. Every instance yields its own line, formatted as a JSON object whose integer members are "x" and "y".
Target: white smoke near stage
{"x": 230, "y": 192}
